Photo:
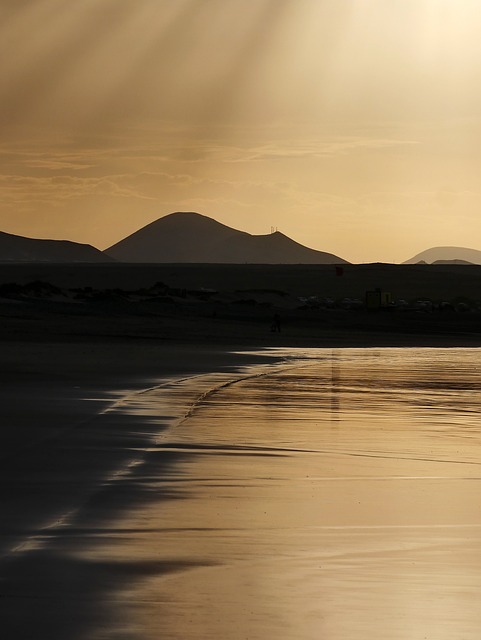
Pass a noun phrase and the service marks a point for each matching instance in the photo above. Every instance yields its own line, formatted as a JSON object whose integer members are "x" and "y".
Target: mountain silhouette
{"x": 20, "y": 249}
{"x": 452, "y": 262}
{"x": 192, "y": 237}
{"x": 447, "y": 255}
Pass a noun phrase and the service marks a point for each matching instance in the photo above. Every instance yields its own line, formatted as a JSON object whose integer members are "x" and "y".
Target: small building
{"x": 378, "y": 299}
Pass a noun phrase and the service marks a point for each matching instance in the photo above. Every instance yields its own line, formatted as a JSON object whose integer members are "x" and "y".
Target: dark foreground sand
{"x": 49, "y": 398}
{"x": 62, "y": 364}
{"x": 65, "y": 436}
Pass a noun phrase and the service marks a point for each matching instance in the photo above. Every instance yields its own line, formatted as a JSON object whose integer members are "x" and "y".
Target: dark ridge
{"x": 20, "y": 249}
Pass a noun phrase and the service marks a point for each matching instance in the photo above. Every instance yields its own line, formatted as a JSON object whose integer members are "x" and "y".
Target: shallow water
{"x": 336, "y": 496}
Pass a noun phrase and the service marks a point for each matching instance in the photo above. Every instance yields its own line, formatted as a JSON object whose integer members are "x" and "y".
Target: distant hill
{"x": 447, "y": 255}
{"x": 452, "y": 262}
{"x": 191, "y": 237}
{"x": 19, "y": 249}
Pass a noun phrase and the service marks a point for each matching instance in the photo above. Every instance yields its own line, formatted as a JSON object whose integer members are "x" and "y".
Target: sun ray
{"x": 45, "y": 71}
{"x": 237, "y": 92}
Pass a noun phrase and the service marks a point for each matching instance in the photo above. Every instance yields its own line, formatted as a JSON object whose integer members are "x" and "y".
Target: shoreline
{"x": 52, "y": 392}
{"x": 51, "y": 398}
{"x": 71, "y": 475}
{"x": 50, "y": 384}
{"x": 89, "y": 547}
{"x": 95, "y": 433}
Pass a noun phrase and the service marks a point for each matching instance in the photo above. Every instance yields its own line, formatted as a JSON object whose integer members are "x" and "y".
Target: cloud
{"x": 28, "y": 189}
{"x": 298, "y": 149}
{"x": 201, "y": 151}
{"x": 56, "y": 165}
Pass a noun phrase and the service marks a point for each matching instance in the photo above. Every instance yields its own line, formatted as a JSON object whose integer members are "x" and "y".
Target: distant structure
{"x": 378, "y": 299}
{"x": 273, "y": 230}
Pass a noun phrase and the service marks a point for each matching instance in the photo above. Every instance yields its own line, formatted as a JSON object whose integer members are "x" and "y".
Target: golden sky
{"x": 353, "y": 126}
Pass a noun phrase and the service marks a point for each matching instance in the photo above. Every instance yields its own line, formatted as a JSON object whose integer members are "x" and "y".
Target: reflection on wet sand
{"x": 336, "y": 497}
{"x": 335, "y": 387}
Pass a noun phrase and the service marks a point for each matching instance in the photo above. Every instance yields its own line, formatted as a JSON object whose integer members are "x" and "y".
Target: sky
{"x": 352, "y": 126}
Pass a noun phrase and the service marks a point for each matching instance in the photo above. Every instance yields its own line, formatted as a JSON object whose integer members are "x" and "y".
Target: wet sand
{"x": 170, "y": 515}
{"x": 52, "y": 394}
{"x": 73, "y": 422}
{"x": 327, "y": 502}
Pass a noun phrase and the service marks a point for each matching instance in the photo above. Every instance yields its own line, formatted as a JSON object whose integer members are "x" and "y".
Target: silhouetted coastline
{"x": 320, "y": 305}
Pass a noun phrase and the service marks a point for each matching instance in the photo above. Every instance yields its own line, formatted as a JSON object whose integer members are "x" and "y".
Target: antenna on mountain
{"x": 272, "y": 229}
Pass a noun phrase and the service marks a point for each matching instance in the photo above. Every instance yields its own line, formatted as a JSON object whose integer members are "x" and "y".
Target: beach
{"x": 131, "y": 508}
{"x": 289, "y": 494}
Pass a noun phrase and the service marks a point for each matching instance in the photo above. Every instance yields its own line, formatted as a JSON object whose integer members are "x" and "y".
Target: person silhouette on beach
{"x": 276, "y": 323}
